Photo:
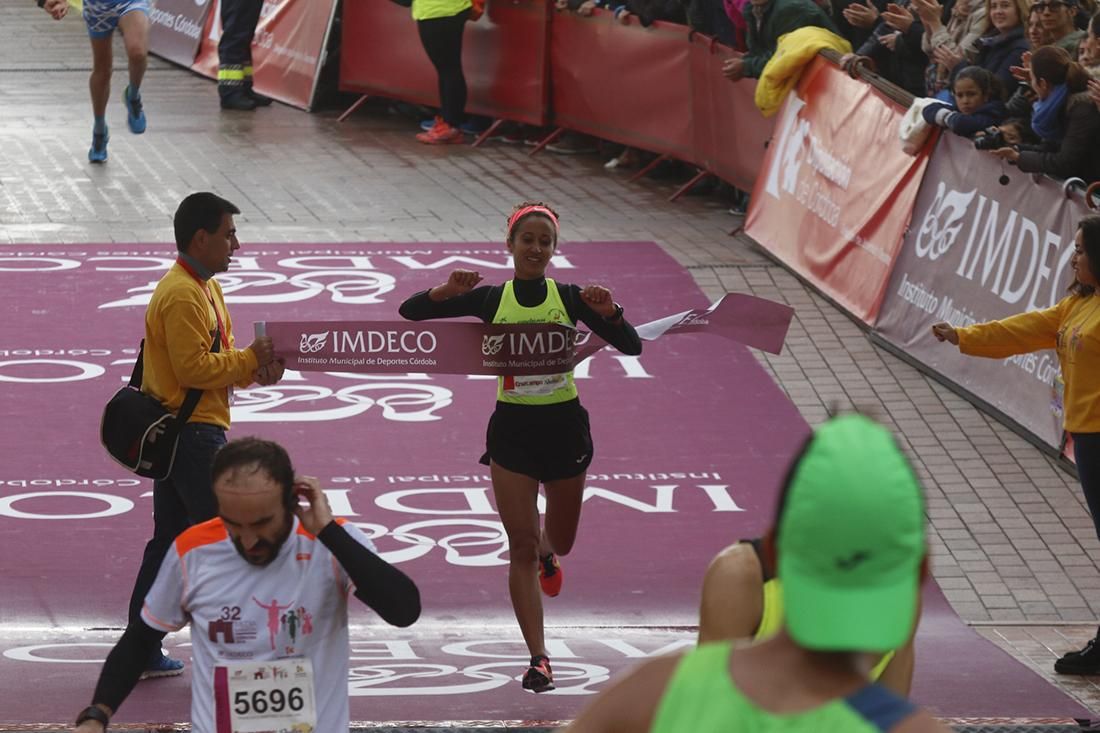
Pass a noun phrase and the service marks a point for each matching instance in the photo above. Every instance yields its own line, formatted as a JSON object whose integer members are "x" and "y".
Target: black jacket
{"x": 997, "y": 53}
{"x": 1077, "y": 154}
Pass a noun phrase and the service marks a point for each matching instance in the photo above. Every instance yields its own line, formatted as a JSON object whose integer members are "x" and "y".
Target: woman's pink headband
{"x": 534, "y": 209}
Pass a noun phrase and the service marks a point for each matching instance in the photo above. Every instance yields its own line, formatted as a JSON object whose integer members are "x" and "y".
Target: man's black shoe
{"x": 1086, "y": 661}
{"x": 260, "y": 99}
{"x": 239, "y": 101}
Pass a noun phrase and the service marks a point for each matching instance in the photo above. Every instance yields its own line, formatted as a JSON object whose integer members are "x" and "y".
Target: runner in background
{"x": 238, "y": 579}
{"x": 441, "y": 25}
{"x": 848, "y": 544}
{"x": 742, "y": 599}
{"x": 539, "y": 433}
{"x": 102, "y": 18}
{"x": 1072, "y": 329}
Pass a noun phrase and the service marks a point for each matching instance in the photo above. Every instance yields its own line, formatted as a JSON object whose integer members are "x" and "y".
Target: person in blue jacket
{"x": 977, "y": 104}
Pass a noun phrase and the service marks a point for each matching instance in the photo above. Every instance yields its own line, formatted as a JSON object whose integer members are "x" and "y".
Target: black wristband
{"x": 617, "y": 315}
{"x": 41, "y": 3}
{"x": 93, "y": 712}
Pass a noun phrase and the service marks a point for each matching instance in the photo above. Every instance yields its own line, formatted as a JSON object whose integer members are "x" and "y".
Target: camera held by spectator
{"x": 992, "y": 139}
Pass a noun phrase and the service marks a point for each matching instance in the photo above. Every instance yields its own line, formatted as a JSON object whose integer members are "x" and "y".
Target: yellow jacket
{"x": 1072, "y": 329}
{"x": 179, "y": 330}
{"x": 795, "y": 50}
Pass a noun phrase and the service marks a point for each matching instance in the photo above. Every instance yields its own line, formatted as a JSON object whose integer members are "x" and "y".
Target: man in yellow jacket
{"x": 186, "y": 316}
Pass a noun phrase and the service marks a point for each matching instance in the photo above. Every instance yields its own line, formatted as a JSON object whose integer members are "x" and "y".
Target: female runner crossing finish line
{"x": 538, "y": 433}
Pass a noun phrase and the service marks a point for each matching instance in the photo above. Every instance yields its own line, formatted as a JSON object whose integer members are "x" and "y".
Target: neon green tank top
{"x": 534, "y": 389}
{"x": 701, "y": 698}
{"x": 430, "y": 9}
{"x": 772, "y": 620}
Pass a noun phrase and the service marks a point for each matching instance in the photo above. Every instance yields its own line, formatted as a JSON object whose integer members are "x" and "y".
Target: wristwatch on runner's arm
{"x": 92, "y": 712}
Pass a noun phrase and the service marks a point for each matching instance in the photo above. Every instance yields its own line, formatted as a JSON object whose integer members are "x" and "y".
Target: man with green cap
{"x": 848, "y": 545}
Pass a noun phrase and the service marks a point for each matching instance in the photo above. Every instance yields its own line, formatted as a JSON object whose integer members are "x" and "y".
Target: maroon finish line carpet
{"x": 691, "y": 441}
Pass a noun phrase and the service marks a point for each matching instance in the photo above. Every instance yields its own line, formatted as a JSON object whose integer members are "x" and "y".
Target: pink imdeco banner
{"x": 979, "y": 251}
{"x": 390, "y": 347}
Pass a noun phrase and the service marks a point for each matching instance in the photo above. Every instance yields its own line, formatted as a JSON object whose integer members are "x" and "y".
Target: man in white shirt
{"x": 264, "y": 586}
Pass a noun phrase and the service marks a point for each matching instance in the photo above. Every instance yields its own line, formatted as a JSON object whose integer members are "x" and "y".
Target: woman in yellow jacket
{"x": 1072, "y": 328}
{"x": 441, "y": 24}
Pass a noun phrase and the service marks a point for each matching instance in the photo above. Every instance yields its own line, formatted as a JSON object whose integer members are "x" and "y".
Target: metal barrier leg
{"x": 687, "y": 186}
{"x": 352, "y": 108}
{"x": 488, "y": 133}
{"x": 547, "y": 140}
{"x": 648, "y": 167}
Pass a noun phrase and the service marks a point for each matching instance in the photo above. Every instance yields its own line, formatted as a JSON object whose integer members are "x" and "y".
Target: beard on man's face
{"x": 264, "y": 551}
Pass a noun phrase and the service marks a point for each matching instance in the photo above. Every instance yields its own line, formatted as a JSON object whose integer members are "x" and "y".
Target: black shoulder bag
{"x": 136, "y": 429}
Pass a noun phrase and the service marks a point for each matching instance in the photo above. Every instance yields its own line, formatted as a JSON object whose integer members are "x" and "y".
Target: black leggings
{"x": 1086, "y": 452}
{"x": 442, "y": 40}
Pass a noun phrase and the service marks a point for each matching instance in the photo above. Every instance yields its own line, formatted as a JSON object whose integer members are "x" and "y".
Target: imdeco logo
{"x": 491, "y": 345}
{"x": 311, "y": 343}
{"x": 943, "y": 221}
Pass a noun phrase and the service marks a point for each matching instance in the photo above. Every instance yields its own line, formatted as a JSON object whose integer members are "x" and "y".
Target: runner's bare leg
{"x": 99, "y": 83}
{"x": 135, "y": 32}
{"x": 517, "y": 503}
{"x": 563, "y": 515}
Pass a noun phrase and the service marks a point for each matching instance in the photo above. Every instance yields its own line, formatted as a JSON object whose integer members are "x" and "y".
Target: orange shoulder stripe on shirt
{"x": 206, "y": 533}
{"x": 306, "y": 533}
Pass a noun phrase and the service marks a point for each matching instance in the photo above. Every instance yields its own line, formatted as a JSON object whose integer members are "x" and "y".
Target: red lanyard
{"x": 221, "y": 329}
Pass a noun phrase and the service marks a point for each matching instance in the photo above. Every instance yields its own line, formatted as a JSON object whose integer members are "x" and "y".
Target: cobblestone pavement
{"x": 1012, "y": 541}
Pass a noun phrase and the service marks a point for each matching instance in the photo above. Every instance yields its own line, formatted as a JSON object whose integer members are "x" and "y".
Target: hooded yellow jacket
{"x": 795, "y": 50}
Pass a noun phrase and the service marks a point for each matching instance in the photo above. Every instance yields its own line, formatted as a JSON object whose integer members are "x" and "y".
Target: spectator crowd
{"x": 1024, "y": 76}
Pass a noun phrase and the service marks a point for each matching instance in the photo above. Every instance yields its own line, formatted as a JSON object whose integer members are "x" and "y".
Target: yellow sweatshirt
{"x": 1072, "y": 329}
{"x": 179, "y": 330}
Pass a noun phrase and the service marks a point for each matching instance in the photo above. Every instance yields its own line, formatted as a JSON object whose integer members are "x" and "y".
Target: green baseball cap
{"x": 850, "y": 540}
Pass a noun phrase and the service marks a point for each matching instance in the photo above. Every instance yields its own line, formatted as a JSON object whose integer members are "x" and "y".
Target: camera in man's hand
{"x": 993, "y": 139}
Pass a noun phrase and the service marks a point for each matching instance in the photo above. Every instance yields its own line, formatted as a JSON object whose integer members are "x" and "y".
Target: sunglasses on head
{"x": 1049, "y": 5}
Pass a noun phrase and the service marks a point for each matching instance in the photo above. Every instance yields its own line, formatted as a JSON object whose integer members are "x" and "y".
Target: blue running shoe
{"x": 98, "y": 152}
{"x": 162, "y": 666}
{"x": 135, "y": 112}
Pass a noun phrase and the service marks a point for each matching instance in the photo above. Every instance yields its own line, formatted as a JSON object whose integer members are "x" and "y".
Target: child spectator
{"x": 977, "y": 104}
{"x": 1017, "y": 131}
